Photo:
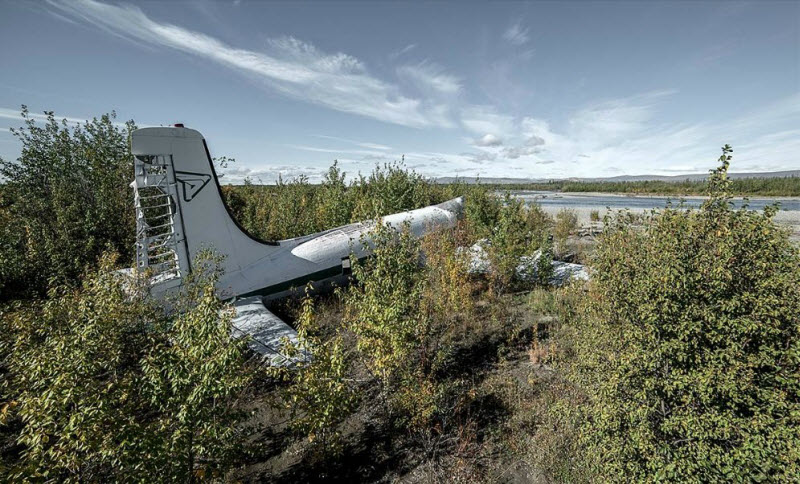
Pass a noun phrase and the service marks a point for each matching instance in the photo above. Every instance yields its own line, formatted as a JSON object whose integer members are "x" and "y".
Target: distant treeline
{"x": 767, "y": 187}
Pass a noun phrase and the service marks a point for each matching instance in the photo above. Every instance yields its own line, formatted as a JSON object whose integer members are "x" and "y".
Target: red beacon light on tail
{"x": 178, "y": 125}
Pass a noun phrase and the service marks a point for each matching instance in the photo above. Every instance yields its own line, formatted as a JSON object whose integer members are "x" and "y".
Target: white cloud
{"x": 482, "y": 120}
{"x": 292, "y": 67}
{"x": 516, "y": 34}
{"x": 612, "y": 120}
{"x": 404, "y": 50}
{"x": 610, "y": 138}
{"x": 621, "y": 136}
{"x": 428, "y": 77}
{"x": 7, "y": 113}
{"x": 315, "y": 149}
{"x": 374, "y": 146}
{"x": 270, "y": 173}
{"x": 488, "y": 140}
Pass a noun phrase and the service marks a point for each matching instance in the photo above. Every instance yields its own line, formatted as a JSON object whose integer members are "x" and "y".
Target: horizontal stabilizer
{"x": 266, "y": 332}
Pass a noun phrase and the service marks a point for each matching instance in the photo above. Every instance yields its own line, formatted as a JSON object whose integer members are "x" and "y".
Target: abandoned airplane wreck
{"x": 180, "y": 212}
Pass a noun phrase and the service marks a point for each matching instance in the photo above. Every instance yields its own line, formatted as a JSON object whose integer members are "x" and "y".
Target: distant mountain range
{"x": 621, "y": 178}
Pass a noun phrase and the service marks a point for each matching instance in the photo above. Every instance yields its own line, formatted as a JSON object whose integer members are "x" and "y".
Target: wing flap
{"x": 266, "y": 333}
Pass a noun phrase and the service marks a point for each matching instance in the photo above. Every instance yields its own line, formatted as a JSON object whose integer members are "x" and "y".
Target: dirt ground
{"x": 509, "y": 381}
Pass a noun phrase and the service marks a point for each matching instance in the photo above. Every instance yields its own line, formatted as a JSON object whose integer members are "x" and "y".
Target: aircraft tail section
{"x": 180, "y": 211}
{"x": 179, "y": 208}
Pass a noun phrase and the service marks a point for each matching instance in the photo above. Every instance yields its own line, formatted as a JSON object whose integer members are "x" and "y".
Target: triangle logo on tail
{"x": 191, "y": 183}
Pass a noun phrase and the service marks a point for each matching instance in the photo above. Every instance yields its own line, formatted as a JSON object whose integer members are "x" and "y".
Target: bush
{"x": 481, "y": 210}
{"x": 519, "y": 231}
{"x": 402, "y": 314}
{"x": 391, "y": 189}
{"x": 292, "y": 208}
{"x": 384, "y": 310}
{"x": 65, "y": 201}
{"x": 319, "y": 394}
{"x": 334, "y": 207}
{"x": 566, "y": 225}
{"x": 105, "y": 388}
{"x": 689, "y": 347}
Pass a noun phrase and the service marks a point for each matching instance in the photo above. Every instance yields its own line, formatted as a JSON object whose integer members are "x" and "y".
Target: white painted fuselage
{"x": 180, "y": 211}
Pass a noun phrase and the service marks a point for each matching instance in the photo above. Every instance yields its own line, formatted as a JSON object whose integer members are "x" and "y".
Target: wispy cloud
{"x": 374, "y": 146}
{"x": 611, "y": 121}
{"x": 430, "y": 78}
{"x": 404, "y": 50}
{"x": 315, "y": 149}
{"x": 483, "y": 120}
{"x": 625, "y": 135}
{"x": 270, "y": 173}
{"x": 516, "y": 34}
{"x": 8, "y": 113}
{"x": 293, "y": 67}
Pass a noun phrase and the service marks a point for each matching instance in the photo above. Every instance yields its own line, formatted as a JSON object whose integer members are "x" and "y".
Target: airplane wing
{"x": 266, "y": 333}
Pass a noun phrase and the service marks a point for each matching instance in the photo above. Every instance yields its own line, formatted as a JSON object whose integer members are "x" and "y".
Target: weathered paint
{"x": 252, "y": 266}
{"x": 180, "y": 211}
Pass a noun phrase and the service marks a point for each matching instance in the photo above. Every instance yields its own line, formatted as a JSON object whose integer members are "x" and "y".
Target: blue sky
{"x": 542, "y": 90}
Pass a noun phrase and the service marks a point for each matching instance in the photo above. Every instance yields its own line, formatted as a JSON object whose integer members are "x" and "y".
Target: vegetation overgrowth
{"x": 689, "y": 353}
{"x": 678, "y": 361}
{"x": 64, "y": 202}
{"x": 295, "y": 207}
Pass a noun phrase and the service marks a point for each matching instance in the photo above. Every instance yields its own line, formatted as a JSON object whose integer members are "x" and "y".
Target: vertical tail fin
{"x": 180, "y": 209}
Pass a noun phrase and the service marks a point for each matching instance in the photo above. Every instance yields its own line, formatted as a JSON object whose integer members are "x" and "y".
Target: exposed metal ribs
{"x": 158, "y": 240}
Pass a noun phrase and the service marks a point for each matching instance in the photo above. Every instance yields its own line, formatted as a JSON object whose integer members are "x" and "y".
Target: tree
{"x": 402, "y": 314}
{"x": 107, "y": 388}
{"x": 65, "y": 201}
{"x": 519, "y": 231}
{"x": 334, "y": 205}
{"x": 689, "y": 346}
{"x": 384, "y": 310}
{"x": 73, "y": 378}
{"x": 319, "y": 395}
{"x": 192, "y": 379}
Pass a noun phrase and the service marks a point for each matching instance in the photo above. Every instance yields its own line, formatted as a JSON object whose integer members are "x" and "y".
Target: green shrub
{"x": 65, "y": 201}
{"x": 292, "y": 208}
{"x": 481, "y": 210}
{"x": 689, "y": 347}
{"x": 519, "y": 231}
{"x": 390, "y": 189}
{"x": 105, "y": 388}
{"x": 566, "y": 225}
{"x": 193, "y": 377}
{"x": 319, "y": 393}
{"x": 539, "y": 221}
{"x": 384, "y": 310}
{"x": 403, "y": 314}
{"x": 334, "y": 205}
